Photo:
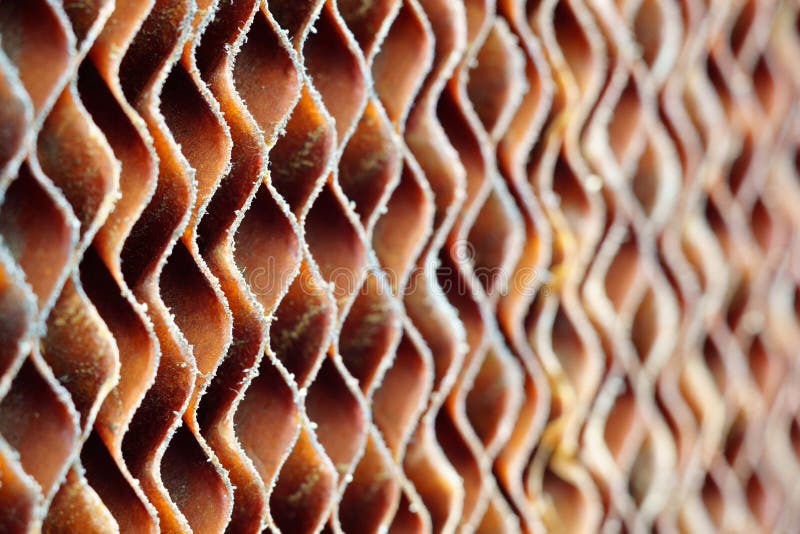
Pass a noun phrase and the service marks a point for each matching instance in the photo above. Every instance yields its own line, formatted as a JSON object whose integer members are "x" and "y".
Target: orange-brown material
{"x": 399, "y": 265}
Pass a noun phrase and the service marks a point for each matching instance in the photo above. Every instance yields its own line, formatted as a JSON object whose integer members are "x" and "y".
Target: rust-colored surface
{"x": 399, "y": 265}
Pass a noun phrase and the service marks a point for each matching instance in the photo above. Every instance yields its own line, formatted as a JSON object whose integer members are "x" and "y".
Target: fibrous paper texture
{"x": 399, "y": 265}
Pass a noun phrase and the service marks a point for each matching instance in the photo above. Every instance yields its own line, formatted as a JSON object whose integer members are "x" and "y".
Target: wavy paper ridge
{"x": 399, "y": 265}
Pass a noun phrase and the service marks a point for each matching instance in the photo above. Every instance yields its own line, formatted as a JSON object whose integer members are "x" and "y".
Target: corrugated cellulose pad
{"x": 399, "y": 266}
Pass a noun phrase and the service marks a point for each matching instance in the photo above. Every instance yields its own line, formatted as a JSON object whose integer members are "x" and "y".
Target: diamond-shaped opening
{"x": 693, "y": 255}
{"x": 265, "y": 77}
{"x": 524, "y": 277}
{"x": 764, "y": 503}
{"x": 735, "y": 440}
{"x": 717, "y": 224}
{"x": 647, "y": 27}
{"x": 490, "y": 398}
{"x": 692, "y": 104}
{"x": 765, "y": 368}
{"x": 688, "y": 388}
{"x": 622, "y": 418}
{"x": 713, "y": 500}
{"x": 267, "y": 249}
{"x": 646, "y": 182}
{"x": 644, "y": 329}
{"x": 341, "y": 424}
{"x": 401, "y": 61}
{"x": 436, "y": 327}
{"x": 641, "y": 473}
{"x": 35, "y": 41}
{"x": 17, "y": 312}
{"x": 15, "y": 119}
{"x": 495, "y": 78}
{"x": 300, "y": 330}
{"x": 365, "y": 18}
{"x": 369, "y": 163}
{"x": 244, "y": 352}
{"x": 335, "y": 245}
{"x": 196, "y": 308}
{"x": 761, "y": 223}
{"x": 301, "y": 154}
{"x": 574, "y": 43}
{"x": 626, "y": 120}
{"x": 194, "y": 484}
{"x": 75, "y": 159}
{"x": 398, "y": 234}
{"x": 447, "y": 26}
{"x": 515, "y": 143}
{"x": 741, "y": 28}
{"x": 741, "y": 165}
{"x": 534, "y": 314}
{"x": 266, "y": 421}
{"x": 397, "y": 401}
{"x": 334, "y": 70}
{"x": 443, "y": 176}
{"x": 574, "y": 202}
{"x": 715, "y": 364}
{"x": 305, "y": 488}
{"x": 36, "y": 232}
{"x": 685, "y": 142}
{"x": 250, "y": 499}
{"x": 432, "y": 477}
{"x": 520, "y": 439}
{"x": 670, "y": 277}
{"x": 79, "y": 350}
{"x": 456, "y": 285}
{"x": 463, "y": 138}
{"x": 622, "y": 272}
{"x": 371, "y": 329}
{"x": 494, "y": 237}
{"x": 371, "y": 495}
{"x": 36, "y": 422}
{"x": 719, "y": 80}
{"x": 673, "y": 408}
{"x": 737, "y": 304}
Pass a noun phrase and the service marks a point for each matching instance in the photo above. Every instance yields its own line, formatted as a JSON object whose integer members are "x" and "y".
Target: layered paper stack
{"x": 399, "y": 265}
